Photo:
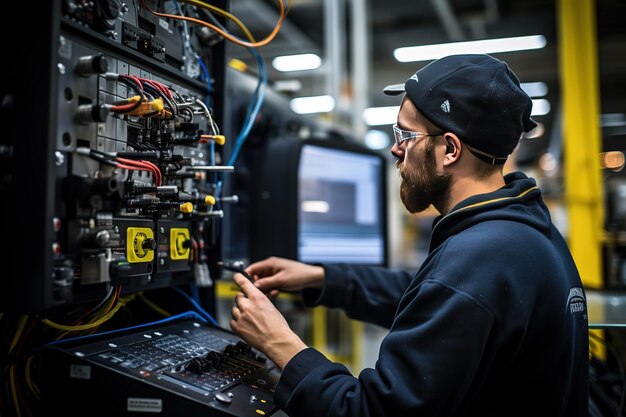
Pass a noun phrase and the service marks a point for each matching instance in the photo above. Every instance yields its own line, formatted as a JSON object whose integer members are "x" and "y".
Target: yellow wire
{"x": 224, "y": 13}
{"x": 224, "y": 34}
{"x": 154, "y": 306}
{"x": 18, "y": 332}
{"x": 14, "y": 391}
{"x": 98, "y": 315}
{"x": 33, "y": 388}
{"x": 88, "y": 326}
{"x": 103, "y": 310}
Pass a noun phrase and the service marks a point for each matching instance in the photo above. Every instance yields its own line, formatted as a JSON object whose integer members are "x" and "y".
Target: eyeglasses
{"x": 402, "y": 136}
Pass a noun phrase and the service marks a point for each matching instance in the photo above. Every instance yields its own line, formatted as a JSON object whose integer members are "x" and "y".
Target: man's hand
{"x": 276, "y": 274}
{"x": 257, "y": 321}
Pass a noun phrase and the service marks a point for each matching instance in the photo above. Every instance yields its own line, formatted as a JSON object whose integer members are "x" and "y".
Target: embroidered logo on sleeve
{"x": 575, "y": 300}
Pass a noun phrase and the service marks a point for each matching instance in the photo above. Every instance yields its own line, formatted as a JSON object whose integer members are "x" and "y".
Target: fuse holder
{"x": 180, "y": 244}
{"x": 140, "y": 244}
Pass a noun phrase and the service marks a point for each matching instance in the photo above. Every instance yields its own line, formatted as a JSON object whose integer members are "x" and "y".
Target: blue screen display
{"x": 340, "y": 206}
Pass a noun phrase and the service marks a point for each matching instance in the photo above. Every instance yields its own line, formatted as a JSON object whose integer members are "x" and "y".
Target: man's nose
{"x": 397, "y": 152}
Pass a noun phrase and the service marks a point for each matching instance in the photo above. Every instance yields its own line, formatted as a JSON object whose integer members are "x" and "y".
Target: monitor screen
{"x": 320, "y": 200}
{"x": 340, "y": 206}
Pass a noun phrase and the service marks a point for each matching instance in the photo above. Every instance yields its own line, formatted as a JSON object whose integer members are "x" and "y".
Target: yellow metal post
{"x": 582, "y": 141}
{"x": 319, "y": 341}
{"x": 581, "y": 136}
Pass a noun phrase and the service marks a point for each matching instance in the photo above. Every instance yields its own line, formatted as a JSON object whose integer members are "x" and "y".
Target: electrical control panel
{"x": 112, "y": 141}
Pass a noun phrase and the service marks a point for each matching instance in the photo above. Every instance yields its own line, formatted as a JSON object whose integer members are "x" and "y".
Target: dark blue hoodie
{"x": 494, "y": 323}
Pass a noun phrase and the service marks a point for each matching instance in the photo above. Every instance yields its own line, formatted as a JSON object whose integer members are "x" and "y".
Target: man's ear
{"x": 453, "y": 148}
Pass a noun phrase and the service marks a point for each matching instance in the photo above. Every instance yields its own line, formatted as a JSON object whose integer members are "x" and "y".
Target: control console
{"x": 181, "y": 368}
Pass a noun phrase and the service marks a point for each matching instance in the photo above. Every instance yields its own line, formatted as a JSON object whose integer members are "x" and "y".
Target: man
{"x": 494, "y": 323}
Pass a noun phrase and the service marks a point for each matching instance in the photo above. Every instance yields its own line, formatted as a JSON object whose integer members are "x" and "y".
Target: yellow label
{"x": 180, "y": 244}
{"x": 138, "y": 244}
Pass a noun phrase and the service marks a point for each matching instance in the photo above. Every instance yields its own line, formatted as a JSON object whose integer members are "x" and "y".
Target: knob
{"x": 149, "y": 244}
{"x": 243, "y": 348}
{"x": 92, "y": 64}
{"x": 88, "y": 113}
{"x": 182, "y": 244}
{"x": 229, "y": 351}
{"x": 196, "y": 366}
{"x": 96, "y": 239}
{"x": 215, "y": 358}
{"x": 221, "y": 397}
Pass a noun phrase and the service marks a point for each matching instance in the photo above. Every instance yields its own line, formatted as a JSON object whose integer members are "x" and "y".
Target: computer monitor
{"x": 321, "y": 200}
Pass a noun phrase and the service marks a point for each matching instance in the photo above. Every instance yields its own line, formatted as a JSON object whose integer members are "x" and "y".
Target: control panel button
{"x": 221, "y": 397}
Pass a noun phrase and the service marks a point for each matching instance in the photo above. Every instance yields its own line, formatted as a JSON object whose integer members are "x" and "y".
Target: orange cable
{"x": 226, "y": 35}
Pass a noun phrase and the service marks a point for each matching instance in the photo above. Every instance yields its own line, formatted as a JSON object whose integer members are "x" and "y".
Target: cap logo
{"x": 445, "y": 106}
{"x": 414, "y": 77}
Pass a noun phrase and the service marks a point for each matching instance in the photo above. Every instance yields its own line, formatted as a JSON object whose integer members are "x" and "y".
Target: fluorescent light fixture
{"x": 315, "y": 206}
{"x": 487, "y": 46}
{"x": 313, "y": 104}
{"x": 613, "y": 119}
{"x": 538, "y": 89}
{"x": 288, "y": 86}
{"x": 298, "y": 62}
{"x": 377, "y": 139}
{"x": 541, "y": 107}
{"x": 375, "y": 116}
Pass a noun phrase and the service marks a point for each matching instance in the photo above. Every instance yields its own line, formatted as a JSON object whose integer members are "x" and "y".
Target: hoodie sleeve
{"x": 426, "y": 364}
{"x": 369, "y": 294}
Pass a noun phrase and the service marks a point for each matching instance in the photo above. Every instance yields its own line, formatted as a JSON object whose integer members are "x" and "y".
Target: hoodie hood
{"x": 519, "y": 200}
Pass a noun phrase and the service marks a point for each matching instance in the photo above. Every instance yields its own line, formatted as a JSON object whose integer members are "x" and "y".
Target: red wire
{"x": 123, "y": 107}
{"x": 134, "y": 168}
{"x": 161, "y": 87}
{"x": 140, "y": 165}
{"x": 157, "y": 170}
{"x": 146, "y": 165}
{"x": 135, "y": 79}
{"x": 195, "y": 250}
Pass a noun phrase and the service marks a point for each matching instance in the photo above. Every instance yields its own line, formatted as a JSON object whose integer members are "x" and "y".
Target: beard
{"x": 424, "y": 186}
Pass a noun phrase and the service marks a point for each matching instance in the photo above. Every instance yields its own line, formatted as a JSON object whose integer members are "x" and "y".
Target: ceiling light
{"x": 613, "y": 119}
{"x": 377, "y": 139}
{"x": 541, "y": 107}
{"x": 313, "y": 104}
{"x": 613, "y": 160}
{"x": 299, "y": 62}
{"x": 486, "y": 46}
{"x": 538, "y": 89}
{"x": 375, "y": 116}
{"x": 548, "y": 164}
{"x": 287, "y": 86}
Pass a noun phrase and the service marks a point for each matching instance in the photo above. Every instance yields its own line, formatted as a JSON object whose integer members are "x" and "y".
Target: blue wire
{"x": 186, "y": 314}
{"x": 207, "y": 77}
{"x": 253, "y": 107}
{"x": 218, "y": 190}
{"x": 194, "y": 291}
{"x": 198, "y": 307}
